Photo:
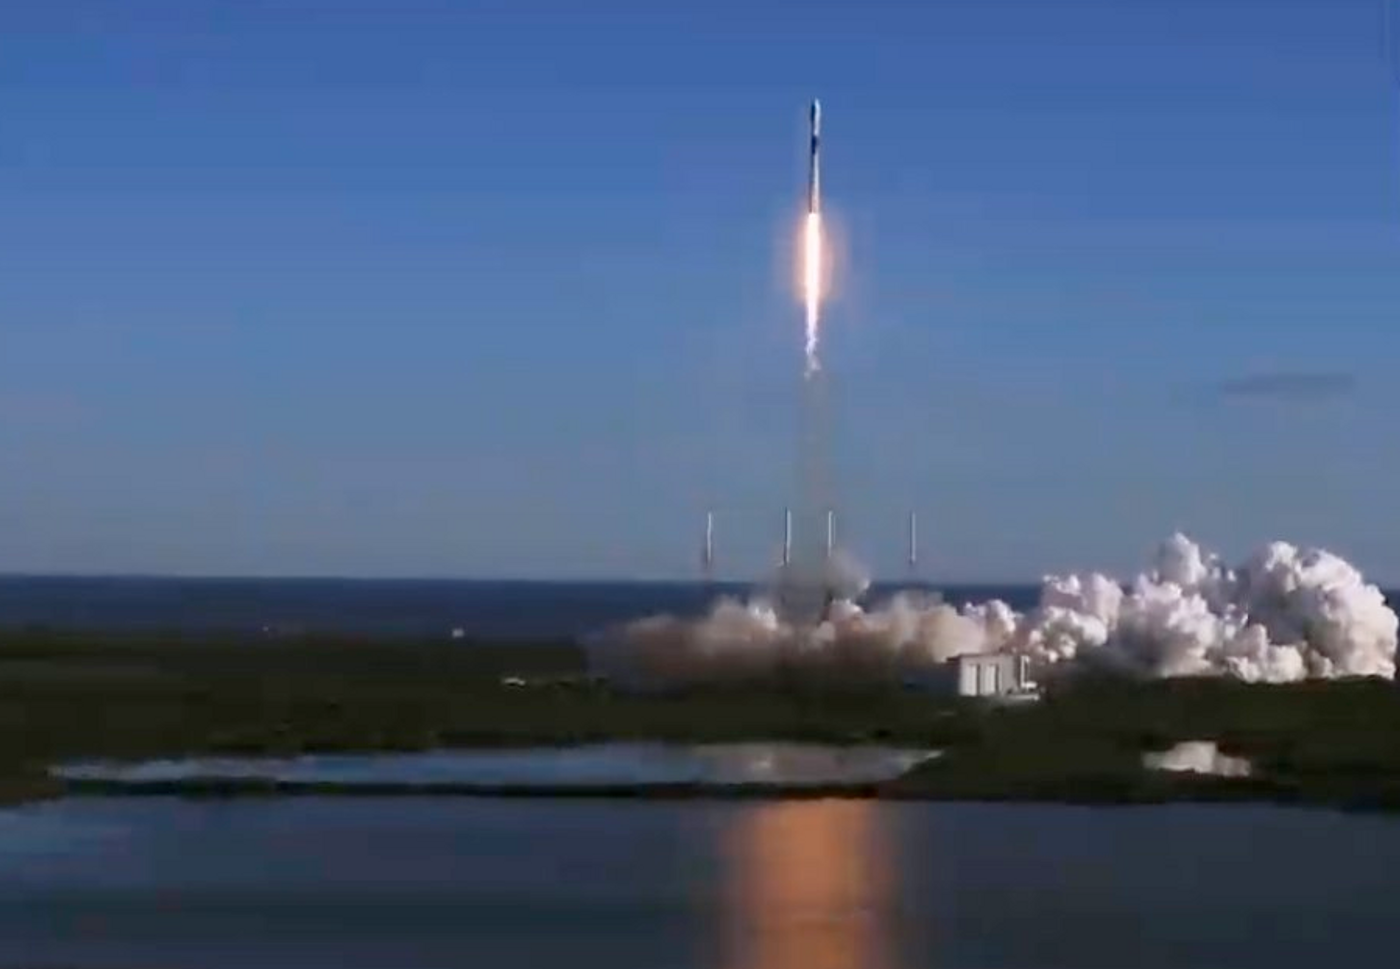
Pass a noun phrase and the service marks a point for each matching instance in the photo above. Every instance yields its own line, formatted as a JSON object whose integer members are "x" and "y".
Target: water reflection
{"x": 433, "y": 883}
{"x": 808, "y": 885}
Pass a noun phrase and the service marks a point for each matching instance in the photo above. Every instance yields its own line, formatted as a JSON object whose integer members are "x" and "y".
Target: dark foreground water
{"x": 412, "y": 884}
{"x": 371, "y": 607}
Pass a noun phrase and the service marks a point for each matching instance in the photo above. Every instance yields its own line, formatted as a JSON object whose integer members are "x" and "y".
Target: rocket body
{"x": 913, "y": 542}
{"x": 787, "y": 537}
{"x": 814, "y": 183}
{"x": 707, "y": 551}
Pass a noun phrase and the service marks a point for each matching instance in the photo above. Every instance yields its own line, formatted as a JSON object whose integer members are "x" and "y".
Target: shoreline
{"x": 1193, "y": 792}
{"x": 69, "y": 697}
{"x": 1146, "y": 789}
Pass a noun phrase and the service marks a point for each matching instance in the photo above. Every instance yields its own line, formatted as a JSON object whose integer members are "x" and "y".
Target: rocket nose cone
{"x": 816, "y": 115}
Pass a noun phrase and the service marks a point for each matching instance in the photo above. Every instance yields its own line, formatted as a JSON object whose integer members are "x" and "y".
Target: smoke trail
{"x": 1286, "y": 614}
{"x": 805, "y": 588}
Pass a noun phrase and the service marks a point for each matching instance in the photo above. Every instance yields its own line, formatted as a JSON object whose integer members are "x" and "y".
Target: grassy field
{"x": 67, "y": 697}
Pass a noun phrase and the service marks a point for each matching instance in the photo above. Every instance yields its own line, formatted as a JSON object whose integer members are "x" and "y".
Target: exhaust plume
{"x": 812, "y": 288}
{"x": 1285, "y": 614}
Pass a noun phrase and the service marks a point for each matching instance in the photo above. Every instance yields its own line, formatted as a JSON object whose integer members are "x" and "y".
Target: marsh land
{"x": 66, "y": 697}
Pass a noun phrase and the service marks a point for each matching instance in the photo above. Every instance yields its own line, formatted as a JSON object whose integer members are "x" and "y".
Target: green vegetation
{"x": 69, "y": 697}
{"x": 66, "y": 697}
{"x": 1334, "y": 743}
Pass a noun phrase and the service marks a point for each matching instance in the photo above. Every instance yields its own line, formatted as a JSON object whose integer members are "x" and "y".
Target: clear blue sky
{"x": 423, "y": 287}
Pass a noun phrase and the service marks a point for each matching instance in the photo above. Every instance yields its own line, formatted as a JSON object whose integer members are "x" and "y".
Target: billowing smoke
{"x": 1286, "y": 614}
{"x": 803, "y": 591}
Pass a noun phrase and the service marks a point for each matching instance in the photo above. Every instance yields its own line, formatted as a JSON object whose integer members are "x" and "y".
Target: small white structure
{"x": 992, "y": 675}
{"x": 1198, "y": 757}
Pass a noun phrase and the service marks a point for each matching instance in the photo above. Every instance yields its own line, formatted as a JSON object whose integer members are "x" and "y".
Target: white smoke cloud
{"x": 1198, "y": 757}
{"x": 1286, "y": 614}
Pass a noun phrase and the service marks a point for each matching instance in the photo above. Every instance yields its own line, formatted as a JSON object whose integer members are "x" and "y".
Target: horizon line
{"x": 922, "y": 581}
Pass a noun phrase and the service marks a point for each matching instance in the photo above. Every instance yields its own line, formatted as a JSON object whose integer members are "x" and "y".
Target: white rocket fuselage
{"x": 787, "y": 537}
{"x": 913, "y": 542}
{"x": 814, "y": 184}
{"x": 707, "y": 553}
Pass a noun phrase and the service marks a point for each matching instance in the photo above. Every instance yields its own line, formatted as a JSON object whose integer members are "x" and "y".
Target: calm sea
{"x": 371, "y": 607}
{"x": 445, "y": 884}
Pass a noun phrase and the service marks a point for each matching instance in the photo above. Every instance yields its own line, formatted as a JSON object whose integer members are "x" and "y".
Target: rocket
{"x": 707, "y": 553}
{"x": 814, "y": 183}
{"x": 830, "y": 532}
{"x": 913, "y": 543}
{"x": 787, "y": 537}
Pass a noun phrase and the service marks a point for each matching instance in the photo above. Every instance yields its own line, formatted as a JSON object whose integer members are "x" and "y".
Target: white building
{"x": 992, "y": 675}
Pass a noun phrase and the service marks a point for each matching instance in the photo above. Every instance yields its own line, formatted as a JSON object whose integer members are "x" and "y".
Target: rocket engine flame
{"x": 812, "y": 287}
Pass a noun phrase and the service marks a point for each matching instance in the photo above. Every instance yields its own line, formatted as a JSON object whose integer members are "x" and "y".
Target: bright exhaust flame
{"x": 812, "y": 287}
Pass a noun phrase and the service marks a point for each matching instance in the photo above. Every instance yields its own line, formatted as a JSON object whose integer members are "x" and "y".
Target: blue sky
{"x": 505, "y": 289}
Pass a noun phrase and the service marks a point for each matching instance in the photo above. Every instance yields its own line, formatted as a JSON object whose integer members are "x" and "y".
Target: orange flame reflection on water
{"x": 808, "y": 887}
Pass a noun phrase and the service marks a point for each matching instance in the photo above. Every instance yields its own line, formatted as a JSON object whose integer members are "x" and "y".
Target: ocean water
{"x": 433, "y": 884}
{"x": 371, "y": 607}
